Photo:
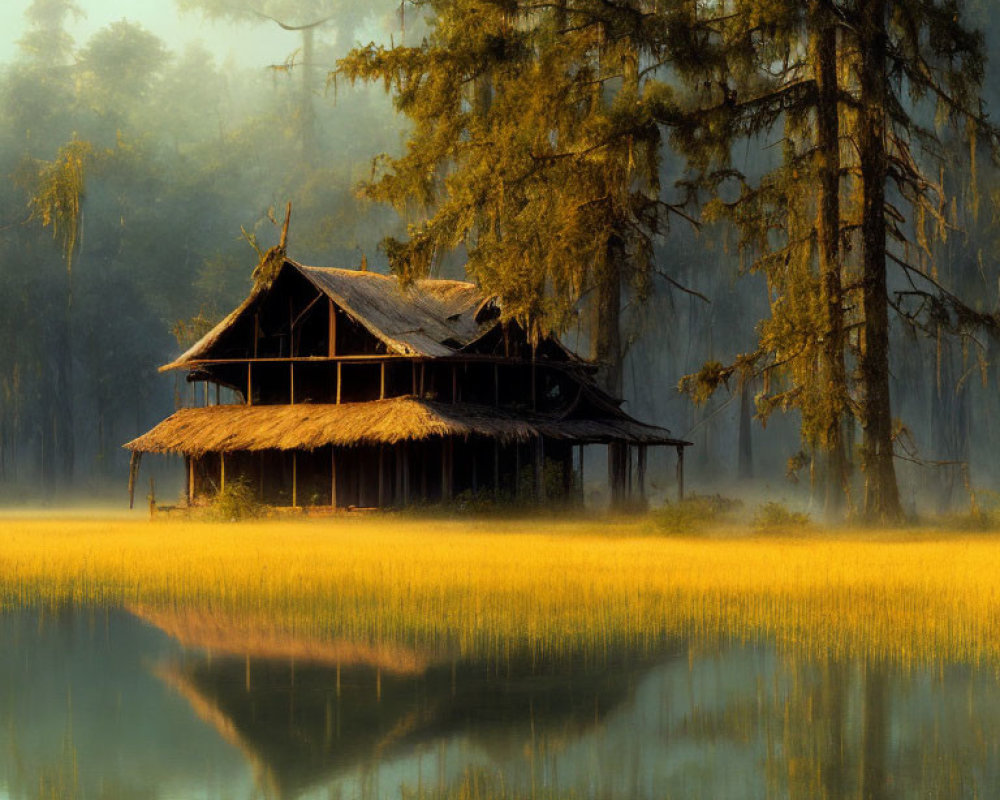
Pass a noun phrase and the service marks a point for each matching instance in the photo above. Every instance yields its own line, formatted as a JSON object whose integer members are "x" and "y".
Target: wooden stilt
{"x": 291, "y": 383}
{"x": 260, "y": 477}
{"x": 333, "y": 476}
{"x": 381, "y": 388}
{"x": 295, "y": 479}
{"x": 422, "y": 373}
{"x": 338, "y": 382}
{"x": 397, "y": 498}
{"x": 680, "y": 472}
{"x": 413, "y": 371}
{"x": 190, "y": 482}
{"x": 249, "y": 383}
{"x": 446, "y": 470}
{"x": 218, "y": 395}
{"x": 582, "y": 492}
{"x": 222, "y": 472}
{"x": 496, "y": 468}
{"x": 517, "y": 470}
{"x": 406, "y": 473}
{"x": 539, "y": 470}
{"x": 381, "y": 476}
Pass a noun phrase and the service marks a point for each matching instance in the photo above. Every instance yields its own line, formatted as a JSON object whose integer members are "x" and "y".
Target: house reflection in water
{"x": 337, "y": 707}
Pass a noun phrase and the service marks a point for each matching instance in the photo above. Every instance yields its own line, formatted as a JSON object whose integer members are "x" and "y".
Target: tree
{"x": 536, "y": 147}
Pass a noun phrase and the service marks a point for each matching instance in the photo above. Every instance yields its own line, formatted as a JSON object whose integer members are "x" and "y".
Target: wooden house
{"x": 358, "y": 393}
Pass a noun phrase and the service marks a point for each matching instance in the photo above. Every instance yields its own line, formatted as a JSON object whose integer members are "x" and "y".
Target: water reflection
{"x": 189, "y": 705}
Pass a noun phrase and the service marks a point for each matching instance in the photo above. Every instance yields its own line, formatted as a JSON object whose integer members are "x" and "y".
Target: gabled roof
{"x": 431, "y": 318}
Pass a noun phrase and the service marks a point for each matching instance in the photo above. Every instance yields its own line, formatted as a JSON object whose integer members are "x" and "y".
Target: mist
{"x": 203, "y": 129}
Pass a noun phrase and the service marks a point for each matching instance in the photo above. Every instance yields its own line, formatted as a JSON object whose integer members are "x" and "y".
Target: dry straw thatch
{"x": 196, "y": 431}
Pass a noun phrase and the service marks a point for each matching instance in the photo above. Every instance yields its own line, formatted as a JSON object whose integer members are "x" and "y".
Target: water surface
{"x": 111, "y": 704}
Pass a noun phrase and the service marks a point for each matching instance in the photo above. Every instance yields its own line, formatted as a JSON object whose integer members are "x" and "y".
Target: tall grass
{"x": 485, "y": 587}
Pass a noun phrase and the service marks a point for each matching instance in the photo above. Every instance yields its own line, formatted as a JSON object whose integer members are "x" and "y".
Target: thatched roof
{"x": 431, "y": 318}
{"x": 195, "y": 431}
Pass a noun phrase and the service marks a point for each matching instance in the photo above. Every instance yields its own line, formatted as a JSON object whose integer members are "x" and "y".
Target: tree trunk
{"x": 824, "y": 51}
{"x": 607, "y": 350}
{"x": 881, "y": 490}
{"x": 745, "y": 439}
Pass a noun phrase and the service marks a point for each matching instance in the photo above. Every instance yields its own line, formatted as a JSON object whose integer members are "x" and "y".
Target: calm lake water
{"x": 105, "y": 704}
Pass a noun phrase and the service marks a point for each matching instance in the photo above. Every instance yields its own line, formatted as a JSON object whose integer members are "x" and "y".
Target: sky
{"x": 247, "y": 44}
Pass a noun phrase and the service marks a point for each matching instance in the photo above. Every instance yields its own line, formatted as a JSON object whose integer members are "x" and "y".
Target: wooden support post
{"x": 406, "y": 473}
{"x": 539, "y": 470}
{"x": 381, "y": 388}
{"x": 496, "y": 468}
{"x": 517, "y": 470}
{"x": 291, "y": 383}
{"x": 333, "y": 475}
{"x": 338, "y": 382}
{"x": 260, "y": 477}
{"x": 218, "y": 395}
{"x": 680, "y": 472}
{"x": 628, "y": 473}
{"x": 222, "y": 471}
{"x": 190, "y": 481}
{"x": 295, "y": 479}
{"x": 641, "y": 471}
{"x": 249, "y": 383}
{"x": 331, "y": 348}
{"x": 413, "y": 370}
{"x": 397, "y": 495}
{"x": 423, "y": 370}
{"x": 446, "y": 470}
{"x": 582, "y": 492}
{"x": 381, "y": 475}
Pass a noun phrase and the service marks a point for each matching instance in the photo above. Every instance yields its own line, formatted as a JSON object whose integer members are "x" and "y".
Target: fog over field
{"x": 196, "y": 118}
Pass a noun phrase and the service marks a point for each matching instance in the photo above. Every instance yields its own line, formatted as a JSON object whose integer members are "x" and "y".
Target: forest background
{"x": 181, "y": 152}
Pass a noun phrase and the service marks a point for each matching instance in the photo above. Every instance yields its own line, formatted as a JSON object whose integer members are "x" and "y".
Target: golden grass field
{"x": 485, "y": 586}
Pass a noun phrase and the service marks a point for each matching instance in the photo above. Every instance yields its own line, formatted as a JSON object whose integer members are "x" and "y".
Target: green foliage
{"x": 58, "y": 197}
{"x": 237, "y": 501}
{"x": 536, "y": 147}
{"x": 776, "y": 515}
{"x": 696, "y": 513}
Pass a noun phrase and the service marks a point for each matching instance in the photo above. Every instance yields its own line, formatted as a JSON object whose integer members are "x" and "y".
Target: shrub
{"x": 777, "y": 515}
{"x": 235, "y": 502}
{"x": 696, "y": 513}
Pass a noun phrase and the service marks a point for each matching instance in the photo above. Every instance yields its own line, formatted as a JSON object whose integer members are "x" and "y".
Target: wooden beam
{"x": 381, "y": 388}
{"x": 249, "y": 383}
{"x": 338, "y": 383}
